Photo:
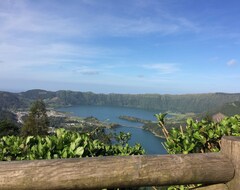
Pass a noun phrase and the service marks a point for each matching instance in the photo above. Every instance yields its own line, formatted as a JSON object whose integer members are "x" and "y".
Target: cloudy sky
{"x": 127, "y": 46}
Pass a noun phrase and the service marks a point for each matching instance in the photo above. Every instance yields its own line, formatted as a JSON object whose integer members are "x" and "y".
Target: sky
{"x": 127, "y": 46}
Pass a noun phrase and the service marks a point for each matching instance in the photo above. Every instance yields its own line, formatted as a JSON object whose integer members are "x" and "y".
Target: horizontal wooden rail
{"x": 127, "y": 171}
{"x": 119, "y": 171}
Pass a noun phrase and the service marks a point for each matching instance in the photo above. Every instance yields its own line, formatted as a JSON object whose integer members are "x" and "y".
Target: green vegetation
{"x": 8, "y": 128}
{"x": 90, "y": 125}
{"x": 198, "y": 136}
{"x": 8, "y": 123}
{"x": 37, "y": 122}
{"x": 88, "y": 137}
{"x": 34, "y": 143}
{"x": 133, "y": 119}
{"x": 196, "y": 103}
{"x": 175, "y": 120}
{"x": 62, "y": 144}
{"x": 229, "y": 109}
{"x": 8, "y": 115}
{"x": 153, "y": 128}
{"x": 184, "y": 105}
{"x": 10, "y": 101}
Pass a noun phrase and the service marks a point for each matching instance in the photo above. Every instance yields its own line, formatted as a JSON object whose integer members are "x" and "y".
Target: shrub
{"x": 63, "y": 144}
{"x": 198, "y": 136}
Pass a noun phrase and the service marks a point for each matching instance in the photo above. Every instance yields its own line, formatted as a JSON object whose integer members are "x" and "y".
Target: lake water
{"x": 151, "y": 143}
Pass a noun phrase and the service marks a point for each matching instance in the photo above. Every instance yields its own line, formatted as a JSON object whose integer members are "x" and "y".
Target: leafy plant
{"x": 198, "y": 136}
{"x": 63, "y": 144}
{"x": 201, "y": 136}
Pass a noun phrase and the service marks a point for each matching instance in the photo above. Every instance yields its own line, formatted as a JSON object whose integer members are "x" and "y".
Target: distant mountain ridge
{"x": 196, "y": 103}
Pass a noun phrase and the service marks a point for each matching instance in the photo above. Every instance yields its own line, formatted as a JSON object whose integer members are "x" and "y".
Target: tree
{"x": 37, "y": 122}
{"x": 8, "y": 128}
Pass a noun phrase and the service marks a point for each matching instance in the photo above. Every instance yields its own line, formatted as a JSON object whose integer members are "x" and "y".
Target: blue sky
{"x": 127, "y": 46}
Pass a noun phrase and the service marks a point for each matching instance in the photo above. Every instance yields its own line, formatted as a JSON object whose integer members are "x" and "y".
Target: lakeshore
{"x": 151, "y": 142}
{"x": 89, "y": 119}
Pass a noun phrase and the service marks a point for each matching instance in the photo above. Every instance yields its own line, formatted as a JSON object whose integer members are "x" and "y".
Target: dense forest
{"x": 196, "y": 103}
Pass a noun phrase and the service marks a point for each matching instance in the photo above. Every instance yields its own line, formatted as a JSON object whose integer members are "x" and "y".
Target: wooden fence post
{"x": 230, "y": 146}
{"x": 116, "y": 171}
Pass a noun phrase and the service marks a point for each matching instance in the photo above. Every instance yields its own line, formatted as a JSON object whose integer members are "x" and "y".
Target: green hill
{"x": 196, "y": 103}
{"x": 10, "y": 100}
{"x": 7, "y": 115}
{"x": 229, "y": 109}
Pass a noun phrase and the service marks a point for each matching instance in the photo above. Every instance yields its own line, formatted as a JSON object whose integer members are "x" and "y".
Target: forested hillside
{"x": 229, "y": 109}
{"x": 196, "y": 103}
{"x": 10, "y": 100}
{"x": 7, "y": 115}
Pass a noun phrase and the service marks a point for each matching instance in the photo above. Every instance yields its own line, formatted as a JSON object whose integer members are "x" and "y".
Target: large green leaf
{"x": 79, "y": 151}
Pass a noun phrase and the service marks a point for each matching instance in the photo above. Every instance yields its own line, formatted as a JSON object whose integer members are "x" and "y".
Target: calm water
{"x": 150, "y": 143}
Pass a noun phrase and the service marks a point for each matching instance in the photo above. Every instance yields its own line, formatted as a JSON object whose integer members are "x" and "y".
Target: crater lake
{"x": 151, "y": 143}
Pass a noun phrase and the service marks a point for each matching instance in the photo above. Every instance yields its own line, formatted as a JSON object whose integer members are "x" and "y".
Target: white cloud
{"x": 36, "y": 54}
{"x": 86, "y": 70}
{"x": 163, "y": 68}
{"x": 26, "y": 23}
{"x": 27, "y": 19}
{"x": 232, "y": 62}
{"x": 118, "y": 26}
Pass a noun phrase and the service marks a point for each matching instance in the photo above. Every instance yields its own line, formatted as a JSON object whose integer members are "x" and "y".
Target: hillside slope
{"x": 10, "y": 100}
{"x": 229, "y": 109}
{"x": 196, "y": 103}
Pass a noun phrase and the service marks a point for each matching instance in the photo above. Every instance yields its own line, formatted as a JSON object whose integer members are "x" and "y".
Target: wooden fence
{"x": 127, "y": 171}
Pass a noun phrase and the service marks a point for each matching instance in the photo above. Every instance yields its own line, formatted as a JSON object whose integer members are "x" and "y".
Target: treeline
{"x": 196, "y": 103}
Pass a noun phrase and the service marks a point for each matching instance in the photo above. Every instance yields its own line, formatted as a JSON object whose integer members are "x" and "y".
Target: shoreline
{"x": 154, "y": 133}
{"x": 59, "y": 114}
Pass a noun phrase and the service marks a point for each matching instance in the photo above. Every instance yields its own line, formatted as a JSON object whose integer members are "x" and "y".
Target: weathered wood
{"x": 214, "y": 187}
{"x": 105, "y": 172}
{"x": 231, "y": 148}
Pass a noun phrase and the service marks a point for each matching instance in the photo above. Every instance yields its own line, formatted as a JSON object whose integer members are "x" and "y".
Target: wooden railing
{"x": 127, "y": 171}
